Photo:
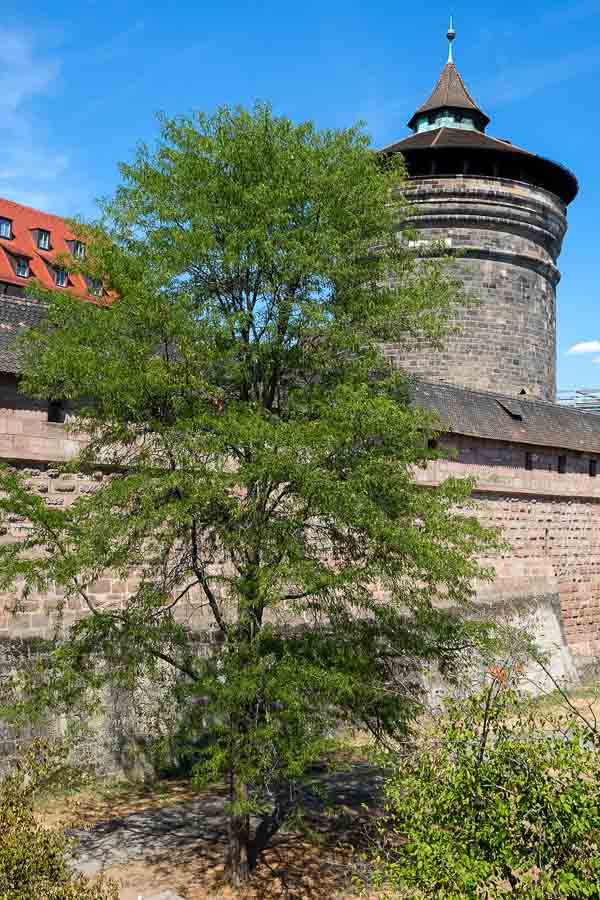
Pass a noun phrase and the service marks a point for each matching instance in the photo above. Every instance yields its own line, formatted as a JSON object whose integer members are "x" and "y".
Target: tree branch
{"x": 203, "y": 581}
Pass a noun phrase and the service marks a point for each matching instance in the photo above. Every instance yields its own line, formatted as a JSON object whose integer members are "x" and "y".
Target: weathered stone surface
{"x": 510, "y": 234}
{"x": 552, "y": 523}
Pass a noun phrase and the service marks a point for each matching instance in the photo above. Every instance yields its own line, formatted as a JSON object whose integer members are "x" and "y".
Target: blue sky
{"x": 79, "y": 90}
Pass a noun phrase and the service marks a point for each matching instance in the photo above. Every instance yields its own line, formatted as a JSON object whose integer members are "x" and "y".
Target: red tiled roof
{"x": 23, "y": 243}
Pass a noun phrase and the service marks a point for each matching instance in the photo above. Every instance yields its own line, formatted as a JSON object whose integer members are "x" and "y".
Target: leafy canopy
{"x": 261, "y": 450}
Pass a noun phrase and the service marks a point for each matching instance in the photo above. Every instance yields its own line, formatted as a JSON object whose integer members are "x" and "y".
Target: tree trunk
{"x": 238, "y": 863}
{"x": 270, "y": 825}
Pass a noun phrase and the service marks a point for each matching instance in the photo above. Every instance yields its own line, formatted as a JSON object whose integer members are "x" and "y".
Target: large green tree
{"x": 262, "y": 454}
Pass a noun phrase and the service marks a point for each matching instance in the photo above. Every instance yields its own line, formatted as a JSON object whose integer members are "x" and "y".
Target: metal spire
{"x": 451, "y": 34}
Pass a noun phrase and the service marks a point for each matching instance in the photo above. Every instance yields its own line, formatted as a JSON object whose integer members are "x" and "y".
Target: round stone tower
{"x": 504, "y": 210}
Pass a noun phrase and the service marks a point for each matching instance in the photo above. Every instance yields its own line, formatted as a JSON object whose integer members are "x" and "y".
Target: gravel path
{"x": 123, "y": 839}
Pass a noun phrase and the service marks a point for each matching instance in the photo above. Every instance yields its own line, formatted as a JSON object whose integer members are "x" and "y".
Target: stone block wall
{"x": 551, "y": 522}
{"x": 26, "y": 435}
{"x": 509, "y": 235}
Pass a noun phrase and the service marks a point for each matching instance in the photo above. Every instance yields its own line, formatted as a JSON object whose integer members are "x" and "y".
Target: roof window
{"x": 593, "y": 470}
{"x": 22, "y": 268}
{"x": 43, "y": 239}
{"x": 5, "y": 228}
{"x": 562, "y": 464}
{"x": 78, "y": 249}
{"x": 512, "y": 408}
{"x": 60, "y": 277}
{"x": 95, "y": 286}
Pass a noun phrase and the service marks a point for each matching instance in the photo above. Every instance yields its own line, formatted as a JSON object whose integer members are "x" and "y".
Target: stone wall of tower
{"x": 508, "y": 235}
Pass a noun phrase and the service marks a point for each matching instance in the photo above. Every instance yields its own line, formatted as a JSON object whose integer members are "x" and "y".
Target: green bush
{"x": 33, "y": 859}
{"x": 495, "y": 803}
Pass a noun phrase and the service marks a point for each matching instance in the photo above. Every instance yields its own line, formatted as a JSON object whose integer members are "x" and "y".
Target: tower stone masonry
{"x": 502, "y": 212}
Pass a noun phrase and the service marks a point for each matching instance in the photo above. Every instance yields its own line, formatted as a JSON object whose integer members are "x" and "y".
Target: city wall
{"x": 549, "y": 578}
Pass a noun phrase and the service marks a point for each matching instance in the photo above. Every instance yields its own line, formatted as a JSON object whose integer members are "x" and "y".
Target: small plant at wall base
{"x": 33, "y": 859}
{"x": 497, "y": 802}
{"x": 262, "y": 454}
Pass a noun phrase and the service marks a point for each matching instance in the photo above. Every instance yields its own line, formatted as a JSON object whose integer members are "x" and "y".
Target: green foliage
{"x": 33, "y": 859}
{"x": 496, "y": 802}
{"x": 262, "y": 453}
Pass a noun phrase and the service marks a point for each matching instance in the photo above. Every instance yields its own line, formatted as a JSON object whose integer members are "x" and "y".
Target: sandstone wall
{"x": 552, "y": 523}
{"x": 549, "y": 578}
{"x": 511, "y": 235}
{"x": 551, "y": 520}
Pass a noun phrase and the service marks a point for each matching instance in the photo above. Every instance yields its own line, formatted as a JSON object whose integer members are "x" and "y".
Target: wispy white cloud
{"x": 520, "y": 82}
{"x": 28, "y": 168}
{"x": 585, "y": 347}
{"x": 596, "y": 360}
{"x": 23, "y": 73}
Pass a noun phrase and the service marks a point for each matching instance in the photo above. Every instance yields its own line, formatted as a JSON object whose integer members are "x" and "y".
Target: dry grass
{"x": 104, "y": 799}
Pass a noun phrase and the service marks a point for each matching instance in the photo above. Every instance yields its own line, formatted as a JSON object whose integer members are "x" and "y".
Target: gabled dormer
{"x": 42, "y": 238}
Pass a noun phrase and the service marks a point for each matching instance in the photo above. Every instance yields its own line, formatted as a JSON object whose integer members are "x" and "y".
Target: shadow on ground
{"x": 182, "y": 846}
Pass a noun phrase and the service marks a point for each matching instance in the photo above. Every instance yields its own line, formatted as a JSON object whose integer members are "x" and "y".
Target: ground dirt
{"x": 170, "y": 836}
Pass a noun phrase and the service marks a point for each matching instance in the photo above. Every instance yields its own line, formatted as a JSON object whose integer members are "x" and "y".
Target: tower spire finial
{"x": 451, "y": 34}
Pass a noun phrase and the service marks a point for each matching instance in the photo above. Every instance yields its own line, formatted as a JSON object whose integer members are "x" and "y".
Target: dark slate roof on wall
{"x": 15, "y": 315}
{"x": 498, "y": 417}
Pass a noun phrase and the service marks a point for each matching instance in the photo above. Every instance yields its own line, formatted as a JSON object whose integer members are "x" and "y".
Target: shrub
{"x": 495, "y": 803}
{"x": 33, "y": 859}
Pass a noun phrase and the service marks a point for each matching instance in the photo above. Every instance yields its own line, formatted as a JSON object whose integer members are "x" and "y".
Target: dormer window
{"x": 22, "y": 268}
{"x": 43, "y": 239}
{"x": 5, "y": 228}
{"x": 95, "y": 286}
{"x": 60, "y": 277}
{"x": 78, "y": 250}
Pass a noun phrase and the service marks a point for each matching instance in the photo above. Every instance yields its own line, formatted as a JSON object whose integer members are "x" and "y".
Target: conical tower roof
{"x": 450, "y": 93}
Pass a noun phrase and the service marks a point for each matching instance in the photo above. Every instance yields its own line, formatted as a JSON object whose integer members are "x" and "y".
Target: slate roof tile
{"x": 15, "y": 315}
{"x": 498, "y": 417}
{"x": 450, "y": 91}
